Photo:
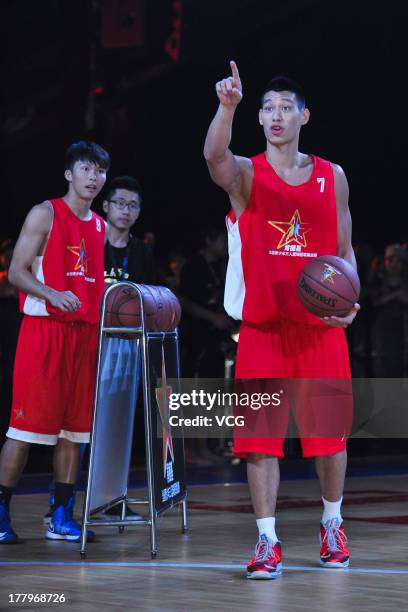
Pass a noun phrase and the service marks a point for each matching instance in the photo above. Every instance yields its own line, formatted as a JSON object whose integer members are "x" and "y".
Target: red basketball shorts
{"x": 286, "y": 349}
{"x": 54, "y": 381}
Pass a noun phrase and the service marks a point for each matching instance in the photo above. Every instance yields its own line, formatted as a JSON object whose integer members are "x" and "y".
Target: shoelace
{"x": 263, "y": 549}
{"x": 334, "y": 538}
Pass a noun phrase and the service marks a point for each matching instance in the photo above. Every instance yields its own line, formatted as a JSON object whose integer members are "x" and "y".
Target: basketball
{"x": 329, "y": 286}
{"x": 161, "y": 307}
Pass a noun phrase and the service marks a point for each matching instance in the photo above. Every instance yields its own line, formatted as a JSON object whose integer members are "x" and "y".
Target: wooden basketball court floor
{"x": 204, "y": 570}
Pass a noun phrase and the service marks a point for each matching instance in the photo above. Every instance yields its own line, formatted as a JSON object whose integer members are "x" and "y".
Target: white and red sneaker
{"x": 333, "y": 545}
{"x": 267, "y": 561}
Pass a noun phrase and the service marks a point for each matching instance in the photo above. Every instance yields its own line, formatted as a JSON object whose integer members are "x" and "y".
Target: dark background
{"x": 138, "y": 76}
{"x": 62, "y": 80}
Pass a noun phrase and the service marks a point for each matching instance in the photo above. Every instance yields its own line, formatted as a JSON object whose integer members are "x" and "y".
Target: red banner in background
{"x": 172, "y": 44}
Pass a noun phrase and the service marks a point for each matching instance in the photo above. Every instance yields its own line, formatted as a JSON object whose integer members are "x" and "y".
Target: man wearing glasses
{"x": 126, "y": 257}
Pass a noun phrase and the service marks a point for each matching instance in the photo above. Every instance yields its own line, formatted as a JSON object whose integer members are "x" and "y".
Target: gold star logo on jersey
{"x": 19, "y": 413}
{"x": 80, "y": 252}
{"x": 293, "y": 231}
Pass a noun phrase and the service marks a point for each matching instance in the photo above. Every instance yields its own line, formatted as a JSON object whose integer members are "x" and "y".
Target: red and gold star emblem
{"x": 80, "y": 252}
{"x": 293, "y": 231}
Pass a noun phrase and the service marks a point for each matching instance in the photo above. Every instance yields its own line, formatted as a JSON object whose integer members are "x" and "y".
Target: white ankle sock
{"x": 331, "y": 510}
{"x": 267, "y": 526}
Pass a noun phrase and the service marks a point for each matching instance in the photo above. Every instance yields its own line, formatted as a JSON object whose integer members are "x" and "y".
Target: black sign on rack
{"x": 167, "y": 452}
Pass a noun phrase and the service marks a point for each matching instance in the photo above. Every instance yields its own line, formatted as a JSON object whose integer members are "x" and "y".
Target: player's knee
{"x": 18, "y": 445}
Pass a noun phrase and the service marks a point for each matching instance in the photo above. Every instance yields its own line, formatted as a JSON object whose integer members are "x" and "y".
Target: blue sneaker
{"x": 47, "y": 517}
{"x": 7, "y": 535}
{"x": 63, "y": 527}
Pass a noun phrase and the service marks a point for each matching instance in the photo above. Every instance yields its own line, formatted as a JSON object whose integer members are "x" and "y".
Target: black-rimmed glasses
{"x": 122, "y": 204}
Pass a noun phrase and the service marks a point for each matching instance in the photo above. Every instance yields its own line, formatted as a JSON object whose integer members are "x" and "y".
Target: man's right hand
{"x": 64, "y": 300}
{"x": 229, "y": 90}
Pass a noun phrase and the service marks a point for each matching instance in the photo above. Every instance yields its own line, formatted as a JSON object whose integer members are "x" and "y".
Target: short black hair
{"x": 282, "y": 83}
{"x": 86, "y": 151}
{"x": 123, "y": 182}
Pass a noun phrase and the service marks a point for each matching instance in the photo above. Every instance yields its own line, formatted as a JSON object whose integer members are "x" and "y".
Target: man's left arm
{"x": 344, "y": 246}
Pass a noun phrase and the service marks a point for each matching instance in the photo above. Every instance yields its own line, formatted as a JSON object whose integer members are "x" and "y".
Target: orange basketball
{"x": 161, "y": 308}
{"x": 328, "y": 286}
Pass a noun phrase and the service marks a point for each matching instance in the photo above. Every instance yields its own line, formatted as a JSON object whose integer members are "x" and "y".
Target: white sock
{"x": 331, "y": 510}
{"x": 267, "y": 526}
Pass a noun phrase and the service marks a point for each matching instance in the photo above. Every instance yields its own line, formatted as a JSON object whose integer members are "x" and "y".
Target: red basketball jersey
{"x": 282, "y": 227}
{"x": 72, "y": 261}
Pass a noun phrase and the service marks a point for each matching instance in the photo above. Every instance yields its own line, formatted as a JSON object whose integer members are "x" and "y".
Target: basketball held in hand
{"x": 161, "y": 307}
{"x": 329, "y": 286}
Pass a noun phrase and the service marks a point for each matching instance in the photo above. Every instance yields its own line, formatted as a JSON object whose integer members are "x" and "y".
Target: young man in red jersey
{"x": 286, "y": 208}
{"x": 126, "y": 258}
{"x": 58, "y": 267}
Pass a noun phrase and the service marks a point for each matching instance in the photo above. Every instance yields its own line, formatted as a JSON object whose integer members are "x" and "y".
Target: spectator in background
{"x": 358, "y": 334}
{"x": 205, "y": 327}
{"x": 126, "y": 257}
{"x": 388, "y": 293}
{"x": 170, "y": 273}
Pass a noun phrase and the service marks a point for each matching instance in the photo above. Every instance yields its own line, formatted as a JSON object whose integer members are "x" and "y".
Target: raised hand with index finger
{"x": 229, "y": 90}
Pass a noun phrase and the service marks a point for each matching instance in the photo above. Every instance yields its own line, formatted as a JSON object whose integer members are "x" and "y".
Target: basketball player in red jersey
{"x": 286, "y": 207}
{"x": 58, "y": 266}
